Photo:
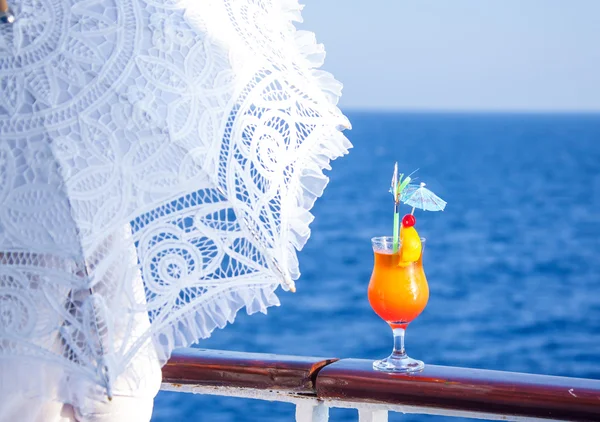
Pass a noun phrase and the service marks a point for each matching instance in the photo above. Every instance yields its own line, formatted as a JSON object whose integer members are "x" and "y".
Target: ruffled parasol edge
{"x": 216, "y": 313}
{"x": 327, "y": 142}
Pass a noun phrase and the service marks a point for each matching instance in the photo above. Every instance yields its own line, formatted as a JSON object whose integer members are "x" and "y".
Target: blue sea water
{"x": 513, "y": 263}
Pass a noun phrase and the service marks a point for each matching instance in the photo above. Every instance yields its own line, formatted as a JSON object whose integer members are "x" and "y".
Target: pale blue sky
{"x": 518, "y": 55}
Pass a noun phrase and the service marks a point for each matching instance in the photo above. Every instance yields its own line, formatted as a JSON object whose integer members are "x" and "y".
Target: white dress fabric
{"x": 158, "y": 161}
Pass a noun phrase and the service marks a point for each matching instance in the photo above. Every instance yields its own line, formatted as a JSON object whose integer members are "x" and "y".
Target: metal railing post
{"x": 369, "y": 415}
{"x": 312, "y": 412}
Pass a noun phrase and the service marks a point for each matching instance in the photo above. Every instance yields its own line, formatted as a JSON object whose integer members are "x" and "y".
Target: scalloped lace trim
{"x": 207, "y": 316}
{"x": 326, "y": 144}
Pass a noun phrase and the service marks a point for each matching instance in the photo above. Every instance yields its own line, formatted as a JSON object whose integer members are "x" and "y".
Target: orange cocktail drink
{"x": 398, "y": 290}
{"x": 398, "y": 293}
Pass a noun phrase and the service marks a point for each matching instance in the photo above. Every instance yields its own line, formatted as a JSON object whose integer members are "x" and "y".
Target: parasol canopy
{"x": 418, "y": 196}
{"x": 158, "y": 161}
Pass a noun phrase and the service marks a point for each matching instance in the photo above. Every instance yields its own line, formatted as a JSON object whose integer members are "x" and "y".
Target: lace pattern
{"x": 158, "y": 161}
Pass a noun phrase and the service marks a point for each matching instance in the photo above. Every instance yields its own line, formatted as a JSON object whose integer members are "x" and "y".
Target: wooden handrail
{"x": 244, "y": 370}
{"x": 353, "y": 381}
{"x": 464, "y": 389}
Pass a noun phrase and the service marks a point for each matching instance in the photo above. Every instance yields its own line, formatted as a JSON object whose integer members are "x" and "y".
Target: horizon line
{"x": 466, "y": 111}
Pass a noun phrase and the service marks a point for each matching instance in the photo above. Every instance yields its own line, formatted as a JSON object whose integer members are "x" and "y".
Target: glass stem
{"x": 399, "y": 352}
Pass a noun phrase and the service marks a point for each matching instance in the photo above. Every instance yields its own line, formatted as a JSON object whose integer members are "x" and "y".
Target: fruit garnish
{"x": 408, "y": 220}
{"x": 410, "y": 251}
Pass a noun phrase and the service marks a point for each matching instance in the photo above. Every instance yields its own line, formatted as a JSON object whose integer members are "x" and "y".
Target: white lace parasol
{"x": 158, "y": 161}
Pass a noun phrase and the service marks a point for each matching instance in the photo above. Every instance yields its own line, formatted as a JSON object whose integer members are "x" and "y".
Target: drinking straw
{"x": 398, "y": 186}
{"x": 396, "y": 226}
{"x": 394, "y": 190}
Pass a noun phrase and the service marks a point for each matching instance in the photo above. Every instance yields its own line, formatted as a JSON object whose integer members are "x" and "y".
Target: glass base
{"x": 402, "y": 364}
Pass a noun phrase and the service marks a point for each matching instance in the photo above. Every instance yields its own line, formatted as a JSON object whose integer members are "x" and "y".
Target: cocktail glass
{"x": 398, "y": 293}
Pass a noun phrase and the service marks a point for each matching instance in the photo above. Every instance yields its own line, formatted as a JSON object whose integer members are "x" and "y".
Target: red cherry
{"x": 408, "y": 220}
